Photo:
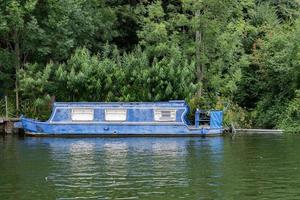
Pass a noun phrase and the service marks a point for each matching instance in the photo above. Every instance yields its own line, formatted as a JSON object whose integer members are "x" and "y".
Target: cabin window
{"x": 165, "y": 115}
{"x": 82, "y": 114}
{"x": 115, "y": 114}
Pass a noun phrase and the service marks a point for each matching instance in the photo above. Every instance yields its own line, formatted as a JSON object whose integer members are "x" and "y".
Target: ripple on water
{"x": 150, "y": 168}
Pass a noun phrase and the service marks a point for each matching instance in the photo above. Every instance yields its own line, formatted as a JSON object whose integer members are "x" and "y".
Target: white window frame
{"x": 158, "y": 115}
{"x": 112, "y": 115}
{"x": 82, "y": 114}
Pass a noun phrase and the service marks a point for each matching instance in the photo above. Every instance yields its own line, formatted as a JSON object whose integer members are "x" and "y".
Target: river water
{"x": 243, "y": 167}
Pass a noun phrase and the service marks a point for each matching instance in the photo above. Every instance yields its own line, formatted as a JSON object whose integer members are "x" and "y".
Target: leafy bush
{"x": 291, "y": 117}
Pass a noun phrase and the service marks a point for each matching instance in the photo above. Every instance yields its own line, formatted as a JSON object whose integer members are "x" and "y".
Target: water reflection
{"x": 132, "y": 167}
{"x": 256, "y": 167}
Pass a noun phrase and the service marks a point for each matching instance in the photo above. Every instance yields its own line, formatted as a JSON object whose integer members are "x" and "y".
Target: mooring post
{"x": 6, "y": 107}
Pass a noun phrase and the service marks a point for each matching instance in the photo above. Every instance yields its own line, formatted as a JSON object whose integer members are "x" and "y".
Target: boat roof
{"x": 171, "y": 103}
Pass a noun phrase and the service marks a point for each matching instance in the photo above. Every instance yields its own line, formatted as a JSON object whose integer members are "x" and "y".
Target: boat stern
{"x": 18, "y": 124}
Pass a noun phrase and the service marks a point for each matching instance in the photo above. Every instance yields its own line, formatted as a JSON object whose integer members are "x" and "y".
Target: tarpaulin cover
{"x": 216, "y": 119}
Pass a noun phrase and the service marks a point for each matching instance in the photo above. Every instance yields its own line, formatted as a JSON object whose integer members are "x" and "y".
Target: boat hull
{"x": 36, "y": 128}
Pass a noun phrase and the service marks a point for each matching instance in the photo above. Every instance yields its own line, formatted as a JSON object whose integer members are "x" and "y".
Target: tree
{"x": 244, "y": 54}
{"x": 36, "y": 32}
{"x": 16, "y": 22}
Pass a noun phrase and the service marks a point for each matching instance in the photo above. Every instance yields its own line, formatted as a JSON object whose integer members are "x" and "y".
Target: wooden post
{"x": 6, "y": 107}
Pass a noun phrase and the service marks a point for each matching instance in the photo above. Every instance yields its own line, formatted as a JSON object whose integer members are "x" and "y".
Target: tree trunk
{"x": 199, "y": 67}
{"x": 17, "y": 55}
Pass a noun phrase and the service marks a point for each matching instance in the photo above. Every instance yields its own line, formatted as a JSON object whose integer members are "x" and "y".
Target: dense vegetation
{"x": 242, "y": 56}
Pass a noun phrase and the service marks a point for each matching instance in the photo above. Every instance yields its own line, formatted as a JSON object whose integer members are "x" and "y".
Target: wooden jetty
{"x": 7, "y": 122}
{"x": 259, "y": 131}
{"x": 232, "y": 130}
{"x": 7, "y": 125}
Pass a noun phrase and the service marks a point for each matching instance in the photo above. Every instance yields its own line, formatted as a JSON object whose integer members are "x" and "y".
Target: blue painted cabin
{"x": 125, "y": 119}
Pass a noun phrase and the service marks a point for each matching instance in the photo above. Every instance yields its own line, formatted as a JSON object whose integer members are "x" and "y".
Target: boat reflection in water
{"x": 129, "y": 167}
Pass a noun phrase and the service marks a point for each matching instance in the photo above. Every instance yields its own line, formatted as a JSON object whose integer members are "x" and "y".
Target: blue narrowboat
{"x": 125, "y": 119}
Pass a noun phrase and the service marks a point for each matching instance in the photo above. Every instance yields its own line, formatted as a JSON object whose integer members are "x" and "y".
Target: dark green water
{"x": 245, "y": 167}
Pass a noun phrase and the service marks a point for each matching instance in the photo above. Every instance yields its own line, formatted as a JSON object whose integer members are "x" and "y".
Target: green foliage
{"x": 6, "y": 71}
{"x": 10, "y": 107}
{"x": 237, "y": 116}
{"x": 290, "y": 121}
{"x": 80, "y": 50}
{"x": 274, "y": 74}
{"x": 109, "y": 77}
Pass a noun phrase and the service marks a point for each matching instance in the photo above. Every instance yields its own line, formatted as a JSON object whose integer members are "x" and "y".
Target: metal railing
{"x": 202, "y": 117}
